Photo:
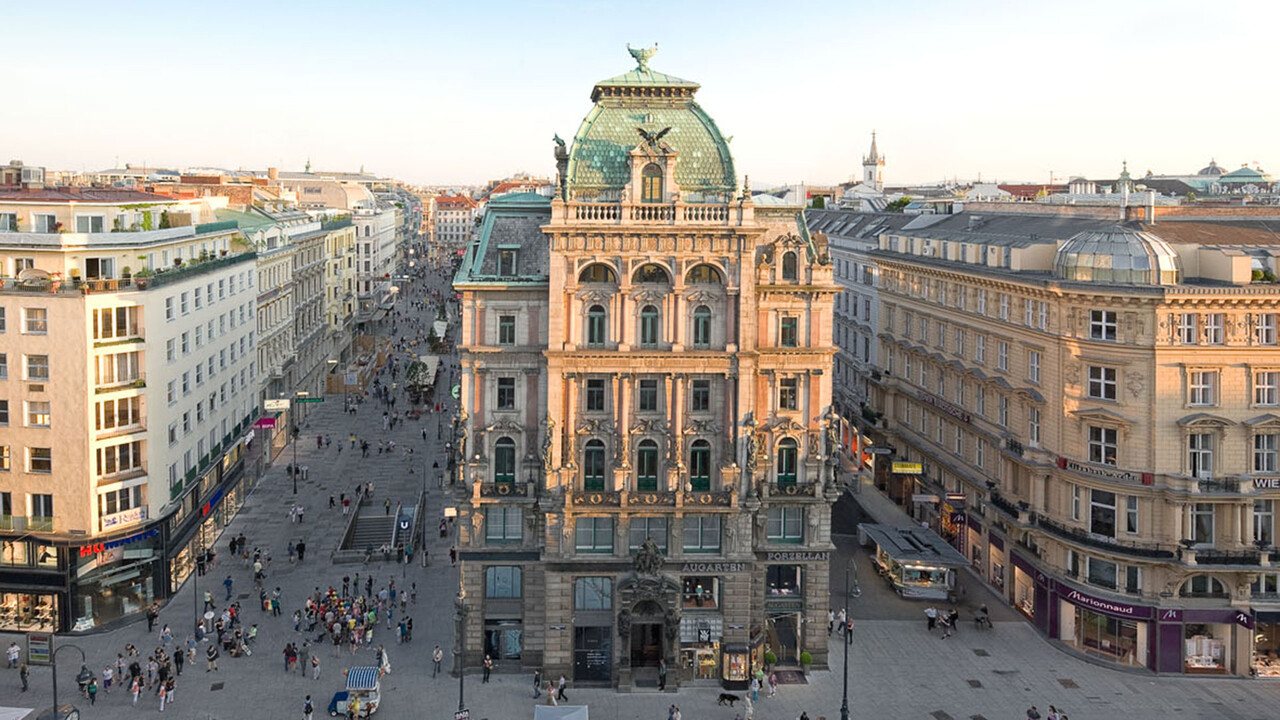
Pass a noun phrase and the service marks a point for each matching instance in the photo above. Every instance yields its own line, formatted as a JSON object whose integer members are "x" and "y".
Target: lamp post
{"x": 461, "y": 602}
{"x": 848, "y": 640}
{"x": 297, "y": 434}
{"x": 53, "y": 658}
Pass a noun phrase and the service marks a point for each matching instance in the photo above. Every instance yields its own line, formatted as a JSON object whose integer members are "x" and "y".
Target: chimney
{"x": 1151, "y": 207}
{"x": 273, "y": 174}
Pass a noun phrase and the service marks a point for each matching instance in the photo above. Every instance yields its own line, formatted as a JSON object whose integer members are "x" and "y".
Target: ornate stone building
{"x": 646, "y": 363}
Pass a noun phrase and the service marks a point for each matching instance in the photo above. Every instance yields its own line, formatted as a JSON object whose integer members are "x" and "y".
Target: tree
{"x": 898, "y": 205}
{"x": 819, "y": 202}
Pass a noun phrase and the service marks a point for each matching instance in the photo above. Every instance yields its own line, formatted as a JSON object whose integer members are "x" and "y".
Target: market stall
{"x": 916, "y": 561}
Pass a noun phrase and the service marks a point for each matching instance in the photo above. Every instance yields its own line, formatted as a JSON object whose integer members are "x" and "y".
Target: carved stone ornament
{"x": 648, "y": 558}
{"x": 588, "y": 426}
{"x": 624, "y": 623}
{"x": 1135, "y": 382}
{"x": 647, "y": 295}
{"x": 702, "y": 427}
{"x": 648, "y": 426}
{"x": 701, "y": 296}
{"x": 786, "y": 425}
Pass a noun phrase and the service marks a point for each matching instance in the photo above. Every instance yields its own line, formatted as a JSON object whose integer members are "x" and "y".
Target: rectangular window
{"x": 35, "y": 321}
{"x": 1264, "y": 515}
{"x": 506, "y": 329}
{"x": 700, "y": 397}
{"x": 1203, "y": 388}
{"x": 1042, "y": 321}
{"x": 1004, "y": 307}
{"x": 1102, "y": 382}
{"x": 1028, "y": 312}
{"x": 1213, "y": 328}
{"x": 1102, "y": 573}
{"x": 39, "y": 460}
{"x": 507, "y": 263}
{"x": 1265, "y": 449}
{"x": 1200, "y": 455}
{"x": 170, "y": 350}
{"x": 790, "y": 334}
{"x": 1103, "y": 445}
{"x": 1133, "y": 579}
{"x": 1102, "y": 513}
{"x": 41, "y": 505}
{"x": 785, "y": 524}
{"x": 1033, "y": 426}
{"x": 702, "y": 533}
{"x": 1264, "y": 330}
{"x": 4, "y": 412}
{"x": 980, "y": 349}
{"x": 958, "y": 441}
{"x": 37, "y": 367}
{"x": 595, "y": 394}
{"x": 38, "y": 413}
{"x": 982, "y": 302}
{"x": 1033, "y": 366}
{"x": 1202, "y": 523}
{"x": 788, "y": 394}
{"x": 184, "y": 302}
{"x": 1102, "y": 325}
{"x": 168, "y": 308}
{"x": 1003, "y": 415}
{"x": 959, "y": 351}
{"x": 644, "y": 527}
{"x": 980, "y": 453}
{"x": 502, "y": 524}
{"x": 502, "y": 582}
{"x": 593, "y": 593}
{"x": 1075, "y": 502}
{"x": 506, "y": 393}
{"x": 1265, "y": 386}
{"x": 1187, "y": 330}
{"x": 1131, "y": 514}
{"x": 593, "y": 535}
{"x": 648, "y": 395}
{"x": 1002, "y": 356}
{"x": 4, "y": 366}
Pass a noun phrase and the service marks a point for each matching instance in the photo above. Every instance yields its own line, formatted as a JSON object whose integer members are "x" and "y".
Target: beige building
{"x": 1090, "y": 410}
{"x": 340, "y": 287}
{"x": 647, "y": 381}
{"x": 124, "y": 402}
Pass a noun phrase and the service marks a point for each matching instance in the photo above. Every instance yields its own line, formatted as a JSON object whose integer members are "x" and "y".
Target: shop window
{"x": 28, "y": 611}
{"x": 785, "y": 524}
{"x": 593, "y": 654}
{"x": 788, "y": 455}
{"x": 700, "y": 592}
{"x": 503, "y": 639}
{"x": 645, "y": 527}
{"x": 1204, "y": 652}
{"x": 647, "y": 465}
{"x": 702, "y": 533}
{"x": 502, "y": 524}
{"x": 593, "y": 465}
{"x": 502, "y": 581}
{"x": 783, "y": 581}
{"x": 700, "y": 466}
{"x": 504, "y": 461}
{"x": 1107, "y": 638}
{"x": 593, "y": 535}
{"x": 593, "y": 593}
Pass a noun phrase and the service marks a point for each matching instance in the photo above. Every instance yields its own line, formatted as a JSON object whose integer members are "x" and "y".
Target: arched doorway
{"x": 646, "y": 637}
{"x": 648, "y": 627}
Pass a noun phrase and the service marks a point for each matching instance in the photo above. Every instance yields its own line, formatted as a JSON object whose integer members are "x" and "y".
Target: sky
{"x": 466, "y": 91}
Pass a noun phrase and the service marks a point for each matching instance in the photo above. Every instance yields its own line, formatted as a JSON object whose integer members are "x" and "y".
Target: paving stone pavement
{"x": 896, "y": 669}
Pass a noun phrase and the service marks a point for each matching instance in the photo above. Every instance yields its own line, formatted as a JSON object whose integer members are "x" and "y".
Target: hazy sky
{"x": 465, "y": 91}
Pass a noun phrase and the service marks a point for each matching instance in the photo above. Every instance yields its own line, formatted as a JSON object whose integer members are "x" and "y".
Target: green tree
{"x": 898, "y": 205}
{"x": 819, "y": 202}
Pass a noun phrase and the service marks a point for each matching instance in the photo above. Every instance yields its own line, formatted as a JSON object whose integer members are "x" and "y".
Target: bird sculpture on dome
{"x": 642, "y": 56}
{"x": 652, "y": 138}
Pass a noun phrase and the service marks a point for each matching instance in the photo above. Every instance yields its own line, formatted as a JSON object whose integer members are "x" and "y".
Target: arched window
{"x": 787, "y": 456}
{"x": 651, "y": 274}
{"x": 705, "y": 274}
{"x": 647, "y": 465}
{"x": 366, "y": 230}
{"x": 593, "y": 466}
{"x": 702, "y": 326}
{"x": 700, "y": 465}
{"x": 596, "y": 327}
{"x": 651, "y": 176}
{"x": 504, "y": 461}
{"x": 597, "y": 273}
{"x": 789, "y": 266}
{"x": 1203, "y": 586}
{"x": 650, "y": 326}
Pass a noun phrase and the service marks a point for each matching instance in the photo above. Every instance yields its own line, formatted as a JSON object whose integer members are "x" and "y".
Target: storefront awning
{"x": 914, "y": 545}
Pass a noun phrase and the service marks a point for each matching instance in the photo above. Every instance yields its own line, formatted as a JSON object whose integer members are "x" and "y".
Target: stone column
{"x": 1246, "y": 522}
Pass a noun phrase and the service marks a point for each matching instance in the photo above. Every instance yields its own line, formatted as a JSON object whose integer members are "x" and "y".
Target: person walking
{"x": 135, "y": 687}
{"x": 436, "y": 656}
{"x": 453, "y": 556}
{"x": 152, "y": 614}
{"x": 755, "y": 689}
{"x": 662, "y": 675}
{"x": 23, "y": 674}
{"x": 560, "y": 685}
{"x": 488, "y": 668}
{"x": 227, "y": 584}
{"x": 211, "y": 658}
{"x": 178, "y": 661}
{"x": 842, "y": 617}
{"x": 831, "y": 621}
{"x": 12, "y": 655}
{"x": 93, "y": 691}
{"x": 315, "y": 666}
{"x": 537, "y": 683}
{"x": 164, "y": 695}
{"x": 931, "y": 618}
{"x": 302, "y": 550}
{"x": 1033, "y": 713}
{"x": 307, "y": 708}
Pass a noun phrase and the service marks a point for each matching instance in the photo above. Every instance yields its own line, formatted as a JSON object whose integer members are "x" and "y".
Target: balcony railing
{"x": 1083, "y": 537}
{"x": 1219, "y": 485}
{"x": 6, "y": 522}
{"x": 37, "y": 523}
{"x": 795, "y": 489}
{"x": 1008, "y": 506}
{"x": 721, "y": 498}
{"x": 1228, "y": 557}
{"x": 652, "y": 498}
{"x": 504, "y": 489}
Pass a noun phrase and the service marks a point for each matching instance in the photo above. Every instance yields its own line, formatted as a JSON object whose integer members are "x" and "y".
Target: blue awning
{"x": 362, "y": 678}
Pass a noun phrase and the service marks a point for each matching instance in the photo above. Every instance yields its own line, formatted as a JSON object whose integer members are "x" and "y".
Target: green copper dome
{"x": 652, "y": 101}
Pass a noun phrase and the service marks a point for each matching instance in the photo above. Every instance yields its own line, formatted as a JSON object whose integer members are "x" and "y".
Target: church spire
{"x": 873, "y": 167}
{"x": 875, "y": 154}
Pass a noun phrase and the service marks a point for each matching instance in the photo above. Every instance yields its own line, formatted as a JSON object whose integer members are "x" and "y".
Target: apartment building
{"x": 376, "y": 236}
{"x": 645, "y": 457}
{"x": 454, "y": 218}
{"x": 1088, "y": 410}
{"x": 126, "y": 392}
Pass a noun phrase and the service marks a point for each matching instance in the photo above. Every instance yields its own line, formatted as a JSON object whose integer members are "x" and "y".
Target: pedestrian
{"x": 1053, "y": 714}
{"x": 331, "y": 503}
{"x": 551, "y": 694}
{"x": 93, "y": 691}
{"x": 931, "y": 618}
{"x": 301, "y": 510}
{"x": 22, "y": 675}
{"x": 12, "y": 655}
{"x": 945, "y": 622}
{"x": 560, "y": 684}
{"x": 152, "y": 613}
{"x": 208, "y": 605}
{"x": 302, "y": 550}
{"x": 843, "y": 614}
{"x": 135, "y": 687}
{"x": 227, "y": 584}
{"x": 453, "y": 556}
{"x": 436, "y": 656}
{"x": 108, "y": 673}
{"x": 211, "y": 659}
{"x": 164, "y": 695}
{"x": 953, "y": 618}
{"x": 773, "y": 684}
{"x": 803, "y": 715}
{"x": 292, "y": 550}
{"x": 315, "y": 663}
{"x": 537, "y": 683}
{"x": 307, "y": 708}
{"x": 1033, "y": 713}
{"x": 386, "y": 504}
{"x": 662, "y": 674}
{"x": 178, "y": 661}
{"x": 755, "y": 689}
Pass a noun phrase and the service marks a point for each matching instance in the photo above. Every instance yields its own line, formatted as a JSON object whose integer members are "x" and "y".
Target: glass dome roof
{"x": 1118, "y": 256}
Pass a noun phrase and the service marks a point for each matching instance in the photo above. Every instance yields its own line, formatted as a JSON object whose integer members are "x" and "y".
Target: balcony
{"x": 793, "y": 489}
{"x": 504, "y": 489}
{"x": 597, "y": 498}
{"x": 617, "y": 213}
{"x": 1008, "y": 507}
{"x": 1219, "y": 485}
{"x": 1228, "y": 557}
{"x": 651, "y": 498}
{"x": 6, "y": 522}
{"x": 715, "y": 498}
{"x": 36, "y": 523}
{"x": 136, "y": 383}
{"x": 1080, "y": 536}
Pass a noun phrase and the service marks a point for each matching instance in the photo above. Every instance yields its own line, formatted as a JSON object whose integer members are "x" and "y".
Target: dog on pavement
{"x": 728, "y": 699}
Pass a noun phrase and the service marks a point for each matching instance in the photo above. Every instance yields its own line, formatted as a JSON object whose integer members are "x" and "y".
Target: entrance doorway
{"x": 783, "y": 638}
{"x": 646, "y": 644}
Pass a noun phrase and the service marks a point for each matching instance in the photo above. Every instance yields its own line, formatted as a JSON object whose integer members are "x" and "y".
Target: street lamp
{"x": 54, "y": 661}
{"x": 297, "y": 434}
{"x": 461, "y": 602}
{"x": 849, "y": 592}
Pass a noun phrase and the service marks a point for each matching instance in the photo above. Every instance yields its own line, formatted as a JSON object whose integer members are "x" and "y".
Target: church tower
{"x": 873, "y": 167}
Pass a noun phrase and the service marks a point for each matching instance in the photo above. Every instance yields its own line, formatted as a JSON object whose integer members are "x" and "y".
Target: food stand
{"x": 916, "y": 561}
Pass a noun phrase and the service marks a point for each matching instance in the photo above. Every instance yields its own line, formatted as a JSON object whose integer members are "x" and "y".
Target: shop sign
{"x": 908, "y": 468}
{"x": 95, "y": 548}
{"x": 797, "y": 556}
{"x": 1177, "y": 615}
{"x": 39, "y": 647}
{"x": 944, "y": 406}
{"x": 879, "y": 451}
{"x": 784, "y": 605}
{"x": 958, "y": 517}
{"x": 211, "y": 503}
{"x": 926, "y": 498}
{"x": 265, "y": 423}
{"x": 124, "y": 518}
{"x": 1106, "y": 471}
{"x": 713, "y": 567}
{"x": 275, "y": 404}
{"x": 1109, "y": 607}
{"x": 1268, "y": 483}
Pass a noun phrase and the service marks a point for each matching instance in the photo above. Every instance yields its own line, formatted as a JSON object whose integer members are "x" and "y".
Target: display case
{"x": 737, "y": 667}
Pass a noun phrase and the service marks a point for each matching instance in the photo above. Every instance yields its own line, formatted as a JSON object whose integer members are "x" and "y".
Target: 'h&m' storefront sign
{"x": 95, "y": 548}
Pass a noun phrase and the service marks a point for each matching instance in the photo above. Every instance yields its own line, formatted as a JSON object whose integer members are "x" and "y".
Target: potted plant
{"x": 143, "y": 278}
{"x": 770, "y": 659}
{"x": 177, "y": 262}
{"x": 806, "y": 661}
{"x": 75, "y": 277}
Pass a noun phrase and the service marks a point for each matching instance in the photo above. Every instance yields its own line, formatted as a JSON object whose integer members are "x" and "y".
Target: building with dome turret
{"x": 645, "y": 461}
{"x": 1088, "y": 407}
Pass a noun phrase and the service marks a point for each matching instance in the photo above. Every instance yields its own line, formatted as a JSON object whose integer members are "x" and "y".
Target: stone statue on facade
{"x": 460, "y": 437}
{"x": 749, "y": 439}
{"x": 642, "y": 56}
{"x": 648, "y": 559}
{"x": 548, "y": 429}
{"x": 562, "y": 167}
{"x": 624, "y": 624}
